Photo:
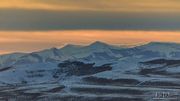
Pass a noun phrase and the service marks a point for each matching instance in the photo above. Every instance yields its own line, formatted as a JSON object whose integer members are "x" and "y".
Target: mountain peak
{"x": 48, "y": 50}
{"x": 98, "y": 43}
{"x": 71, "y": 45}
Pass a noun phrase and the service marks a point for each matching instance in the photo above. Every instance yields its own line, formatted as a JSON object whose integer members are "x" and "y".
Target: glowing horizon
{"x": 23, "y": 41}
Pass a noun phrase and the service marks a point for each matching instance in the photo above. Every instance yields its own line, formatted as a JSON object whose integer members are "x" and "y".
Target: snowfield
{"x": 97, "y": 72}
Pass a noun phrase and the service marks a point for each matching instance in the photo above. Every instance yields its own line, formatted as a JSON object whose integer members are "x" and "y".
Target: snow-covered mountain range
{"x": 98, "y": 64}
{"x": 121, "y": 58}
{"x": 68, "y": 52}
{"x": 95, "y": 51}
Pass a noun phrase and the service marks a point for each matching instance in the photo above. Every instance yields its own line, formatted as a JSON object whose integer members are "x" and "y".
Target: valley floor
{"x": 85, "y": 92}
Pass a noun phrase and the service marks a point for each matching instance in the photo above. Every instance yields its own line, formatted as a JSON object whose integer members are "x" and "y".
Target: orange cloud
{"x": 32, "y": 41}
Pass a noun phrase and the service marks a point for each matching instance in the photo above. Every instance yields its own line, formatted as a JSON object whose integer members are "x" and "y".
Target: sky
{"x": 31, "y": 25}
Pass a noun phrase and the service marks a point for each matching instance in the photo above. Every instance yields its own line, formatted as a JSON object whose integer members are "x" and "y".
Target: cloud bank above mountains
{"x": 29, "y": 25}
{"x": 89, "y": 14}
